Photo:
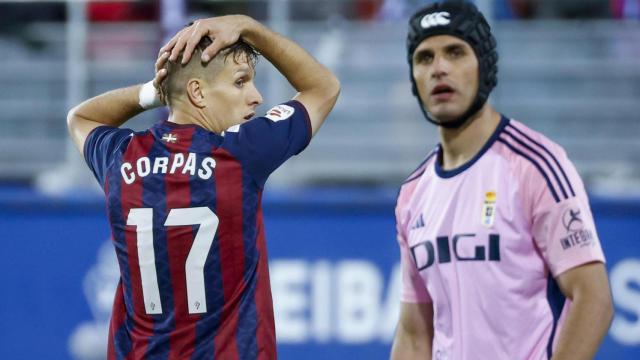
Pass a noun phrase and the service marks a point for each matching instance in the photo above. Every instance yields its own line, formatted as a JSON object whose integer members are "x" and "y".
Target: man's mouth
{"x": 442, "y": 89}
{"x": 249, "y": 116}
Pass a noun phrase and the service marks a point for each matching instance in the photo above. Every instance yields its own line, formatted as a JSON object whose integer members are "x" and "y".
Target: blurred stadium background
{"x": 569, "y": 68}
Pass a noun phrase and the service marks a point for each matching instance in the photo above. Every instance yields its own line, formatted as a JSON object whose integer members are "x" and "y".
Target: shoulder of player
{"x": 417, "y": 173}
{"x": 537, "y": 160}
{"x": 115, "y": 137}
{"x": 275, "y": 114}
{"x": 531, "y": 142}
{"x": 409, "y": 185}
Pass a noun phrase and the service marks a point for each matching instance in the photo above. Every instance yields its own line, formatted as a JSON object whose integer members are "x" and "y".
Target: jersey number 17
{"x": 142, "y": 218}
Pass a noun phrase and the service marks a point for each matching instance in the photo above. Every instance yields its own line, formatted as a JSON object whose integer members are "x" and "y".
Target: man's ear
{"x": 195, "y": 93}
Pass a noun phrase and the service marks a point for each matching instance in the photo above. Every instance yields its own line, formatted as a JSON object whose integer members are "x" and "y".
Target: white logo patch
{"x": 280, "y": 112}
{"x": 234, "y": 128}
{"x": 435, "y": 19}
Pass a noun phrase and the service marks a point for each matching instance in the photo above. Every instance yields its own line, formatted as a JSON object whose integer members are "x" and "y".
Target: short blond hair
{"x": 178, "y": 74}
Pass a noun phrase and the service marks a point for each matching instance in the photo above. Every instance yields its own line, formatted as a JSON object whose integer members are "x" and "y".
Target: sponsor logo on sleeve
{"x": 233, "y": 129}
{"x": 577, "y": 235}
{"x": 280, "y": 112}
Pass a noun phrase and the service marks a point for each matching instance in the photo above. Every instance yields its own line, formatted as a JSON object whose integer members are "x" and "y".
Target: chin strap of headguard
{"x": 462, "y": 20}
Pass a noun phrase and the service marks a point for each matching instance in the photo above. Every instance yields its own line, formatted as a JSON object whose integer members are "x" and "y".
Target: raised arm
{"x": 114, "y": 107}
{"x": 317, "y": 86}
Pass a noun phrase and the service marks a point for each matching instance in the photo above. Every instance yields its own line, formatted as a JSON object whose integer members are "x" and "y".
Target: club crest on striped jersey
{"x": 488, "y": 209}
{"x": 170, "y": 138}
{"x": 280, "y": 112}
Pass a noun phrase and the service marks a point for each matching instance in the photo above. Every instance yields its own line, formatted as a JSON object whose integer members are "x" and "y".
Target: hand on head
{"x": 161, "y": 75}
{"x": 223, "y": 30}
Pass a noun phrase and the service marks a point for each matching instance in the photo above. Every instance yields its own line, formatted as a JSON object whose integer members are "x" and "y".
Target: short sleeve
{"x": 413, "y": 285}
{"x": 100, "y": 147}
{"x": 266, "y": 142}
{"x": 563, "y": 228}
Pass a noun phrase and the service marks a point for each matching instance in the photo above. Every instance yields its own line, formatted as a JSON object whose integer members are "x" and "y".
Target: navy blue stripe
{"x": 203, "y": 193}
{"x": 553, "y": 191}
{"x": 556, "y": 302}
{"x": 122, "y": 342}
{"x": 154, "y": 196}
{"x": 415, "y": 176}
{"x": 247, "y": 313}
{"x": 564, "y": 175}
{"x": 247, "y": 336}
{"x": 555, "y": 175}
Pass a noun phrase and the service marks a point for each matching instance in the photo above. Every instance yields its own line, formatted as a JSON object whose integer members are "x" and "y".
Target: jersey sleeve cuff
{"x": 564, "y": 266}
{"x": 405, "y": 298}
{"x": 300, "y": 106}
{"x": 89, "y": 139}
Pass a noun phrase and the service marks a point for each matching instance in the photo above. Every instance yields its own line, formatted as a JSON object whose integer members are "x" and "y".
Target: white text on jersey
{"x": 168, "y": 165}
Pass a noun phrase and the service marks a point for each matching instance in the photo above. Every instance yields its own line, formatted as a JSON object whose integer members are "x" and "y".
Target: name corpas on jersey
{"x": 182, "y": 163}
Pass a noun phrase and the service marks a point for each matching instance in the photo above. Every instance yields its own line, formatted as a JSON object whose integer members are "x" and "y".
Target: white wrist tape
{"x": 148, "y": 97}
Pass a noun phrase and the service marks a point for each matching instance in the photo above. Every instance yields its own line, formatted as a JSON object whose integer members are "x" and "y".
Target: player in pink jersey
{"x": 184, "y": 196}
{"x": 499, "y": 251}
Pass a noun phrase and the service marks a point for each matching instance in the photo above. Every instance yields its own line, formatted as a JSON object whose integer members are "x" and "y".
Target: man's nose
{"x": 440, "y": 67}
{"x": 254, "y": 96}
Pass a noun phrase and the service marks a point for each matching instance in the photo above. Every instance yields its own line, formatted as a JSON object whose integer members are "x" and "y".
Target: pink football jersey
{"x": 485, "y": 241}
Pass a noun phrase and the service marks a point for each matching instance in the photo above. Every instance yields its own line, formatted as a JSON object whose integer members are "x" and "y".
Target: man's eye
{"x": 425, "y": 59}
{"x": 457, "y": 52}
{"x": 239, "y": 83}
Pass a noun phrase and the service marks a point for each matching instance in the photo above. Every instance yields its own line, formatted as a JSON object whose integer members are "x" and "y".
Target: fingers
{"x": 178, "y": 42}
{"x": 212, "y": 50}
{"x": 161, "y": 72}
{"x": 195, "y": 35}
{"x": 187, "y": 39}
{"x": 157, "y": 84}
{"x": 177, "y": 47}
{"x": 162, "y": 60}
{"x": 159, "y": 78}
{"x": 171, "y": 43}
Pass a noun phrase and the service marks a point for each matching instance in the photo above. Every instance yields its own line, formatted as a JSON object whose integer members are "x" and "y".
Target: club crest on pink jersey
{"x": 489, "y": 209}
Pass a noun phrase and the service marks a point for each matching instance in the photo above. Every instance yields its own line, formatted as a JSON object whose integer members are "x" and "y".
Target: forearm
{"x": 409, "y": 347}
{"x": 302, "y": 71}
{"x": 112, "y": 108}
{"x": 586, "y": 325}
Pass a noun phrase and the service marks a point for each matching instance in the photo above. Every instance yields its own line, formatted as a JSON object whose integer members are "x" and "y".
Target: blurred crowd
{"x": 12, "y": 14}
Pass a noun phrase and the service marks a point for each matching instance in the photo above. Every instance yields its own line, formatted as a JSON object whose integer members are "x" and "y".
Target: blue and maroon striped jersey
{"x": 184, "y": 206}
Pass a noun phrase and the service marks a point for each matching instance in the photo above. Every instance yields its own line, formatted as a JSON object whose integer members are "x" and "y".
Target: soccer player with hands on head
{"x": 184, "y": 196}
{"x": 500, "y": 255}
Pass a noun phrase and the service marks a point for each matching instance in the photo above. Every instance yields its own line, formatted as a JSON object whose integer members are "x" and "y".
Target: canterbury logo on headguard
{"x": 435, "y": 19}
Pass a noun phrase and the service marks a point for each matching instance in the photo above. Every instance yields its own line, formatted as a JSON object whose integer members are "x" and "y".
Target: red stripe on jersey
{"x": 228, "y": 178}
{"x": 131, "y": 197}
{"x": 266, "y": 332}
{"x": 179, "y": 242}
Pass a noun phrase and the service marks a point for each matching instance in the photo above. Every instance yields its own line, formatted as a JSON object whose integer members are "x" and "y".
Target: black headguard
{"x": 463, "y": 20}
